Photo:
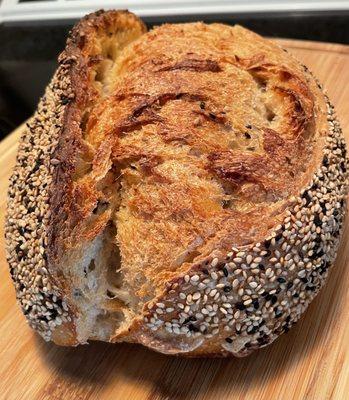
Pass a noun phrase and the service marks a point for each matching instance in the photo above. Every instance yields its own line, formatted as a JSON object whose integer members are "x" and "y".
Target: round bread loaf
{"x": 183, "y": 188}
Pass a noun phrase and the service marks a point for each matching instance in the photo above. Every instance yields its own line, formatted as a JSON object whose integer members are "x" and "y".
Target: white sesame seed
{"x": 214, "y": 262}
{"x": 196, "y": 295}
{"x": 214, "y": 275}
{"x": 253, "y": 284}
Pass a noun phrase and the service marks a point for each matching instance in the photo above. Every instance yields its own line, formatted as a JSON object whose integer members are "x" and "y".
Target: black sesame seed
{"x": 267, "y": 243}
{"x": 253, "y": 330}
{"x": 320, "y": 253}
{"x": 278, "y": 237}
{"x": 296, "y": 295}
{"x": 18, "y": 248}
{"x": 261, "y": 267}
{"x": 281, "y": 280}
{"x": 192, "y": 318}
{"x": 240, "y": 306}
{"x": 325, "y": 161}
{"x": 317, "y": 220}
{"x": 193, "y": 328}
{"x": 310, "y": 288}
{"x": 268, "y": 297}
{"x": 25, "y": 312}
{"x": 261, "y": 341}
{"x": 225, "y": 272}
{"x": 304, "y": 280}
{"x": 307, "y": 198}
{"x": 77, "y": 293}
{"x": 36, "y": 166}
{"x": 289, "y": 285}
{"x": 247, "y": 135}
{"x": 229, "y": 340}
{"x": 274, "y": 299}
{"x": 54, "y": 313}
{"x": 64, "y": 100}
{"x": 227, "y": 288}
{"x": 255, "y": 304}
{"x": 248, "y": 345}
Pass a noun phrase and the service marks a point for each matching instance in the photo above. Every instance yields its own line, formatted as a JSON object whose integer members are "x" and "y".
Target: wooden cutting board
{"x": 310, "y": 362}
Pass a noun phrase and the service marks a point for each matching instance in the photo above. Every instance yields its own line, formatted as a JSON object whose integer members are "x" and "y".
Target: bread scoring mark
{"x": 297, "y": 114}
{"x": 36, "y": 217}
{"x": 237, "y": 168}
{"x": 274, "y": 80}
{"x": 147, "y": 111}
{"x": 266, "y": 170}
{"x": 195, "y": 65}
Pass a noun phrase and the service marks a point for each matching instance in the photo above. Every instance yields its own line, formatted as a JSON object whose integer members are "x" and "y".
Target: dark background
{"x": 28, "y": 51}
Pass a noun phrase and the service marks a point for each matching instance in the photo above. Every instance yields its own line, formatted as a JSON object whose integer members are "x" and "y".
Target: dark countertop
{"x": 29, "y": 50}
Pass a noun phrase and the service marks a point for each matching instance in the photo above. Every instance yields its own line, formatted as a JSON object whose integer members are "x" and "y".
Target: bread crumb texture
{"x": 183, "y": 188}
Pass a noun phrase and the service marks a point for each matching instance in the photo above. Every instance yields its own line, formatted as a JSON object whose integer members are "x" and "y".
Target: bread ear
{"x": 48, "y": 249}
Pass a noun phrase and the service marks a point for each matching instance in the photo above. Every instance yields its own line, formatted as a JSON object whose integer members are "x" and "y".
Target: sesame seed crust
{"x": 237, "y": 302}
{"x": 28, "y": 211}
{"x": 37, "y": 229}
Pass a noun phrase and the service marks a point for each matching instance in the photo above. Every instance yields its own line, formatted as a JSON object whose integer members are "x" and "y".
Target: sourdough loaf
{"x": 182, "y": 188}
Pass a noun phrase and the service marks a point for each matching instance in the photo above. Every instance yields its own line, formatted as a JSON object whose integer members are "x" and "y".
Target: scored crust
{"x": 206, "y": 159}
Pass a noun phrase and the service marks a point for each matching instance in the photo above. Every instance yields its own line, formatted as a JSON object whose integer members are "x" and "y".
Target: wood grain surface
{"x": 310, "y": 362}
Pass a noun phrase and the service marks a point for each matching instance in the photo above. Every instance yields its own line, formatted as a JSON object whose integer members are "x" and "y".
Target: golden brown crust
{"x": 82, "y": 47}
{"x": 204, "y": 153}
